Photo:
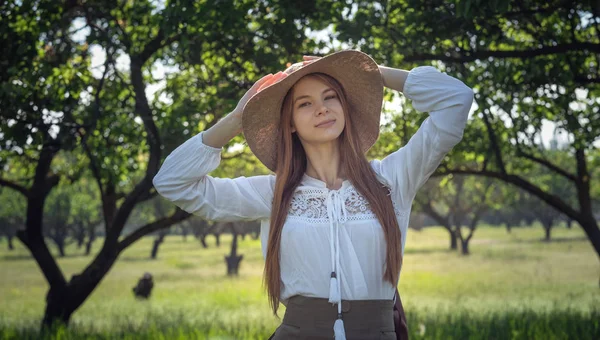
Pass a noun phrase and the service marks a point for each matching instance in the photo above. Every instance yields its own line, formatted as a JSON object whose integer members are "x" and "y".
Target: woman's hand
{"x": 240, "y": 105}
{"x": 261, "y": 84}
{"x": 275, "y": 78}
{"x": 231, "y": 125}
{"x": 307, "y": 59}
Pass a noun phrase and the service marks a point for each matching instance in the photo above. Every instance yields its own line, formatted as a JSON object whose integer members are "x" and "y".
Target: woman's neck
{"x": 323, "y": 162}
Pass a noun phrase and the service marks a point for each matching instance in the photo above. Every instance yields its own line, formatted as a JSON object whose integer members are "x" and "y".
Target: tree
{"x": 56, "y": 218}
{"x": 199, "y": 228}
{"x": 456, "y": 202}
{"x": 50, "y": 91}
{"x": 530, "y": 64}
{"x": 430, "y": 200}
{"x": 41, "y": 81}
{"x": 470, "y": 205}
{"x": 12, "y": 215}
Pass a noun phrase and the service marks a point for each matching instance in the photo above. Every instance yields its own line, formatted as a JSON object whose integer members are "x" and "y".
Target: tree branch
{"x": 14, "y": 186}
{"x": 156, "y": 44}
{"x": 142, "y": 107}
{"x": 587, "y": 79}
{"x": 429, "y": 210}
{"x": 148, "y": 196}
{"x": 522, "y": 183}
{"x": 547, "y": 164}
{"x": 494, "y": 145}
{"x": 468, "y": 56}
{"x": 178, "y": 216}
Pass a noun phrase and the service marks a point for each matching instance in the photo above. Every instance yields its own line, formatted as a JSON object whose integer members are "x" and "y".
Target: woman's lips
{"x": 329, "y": 123}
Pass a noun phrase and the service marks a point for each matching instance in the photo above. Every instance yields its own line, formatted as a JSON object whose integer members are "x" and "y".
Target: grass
{"x": 512, "y": 286}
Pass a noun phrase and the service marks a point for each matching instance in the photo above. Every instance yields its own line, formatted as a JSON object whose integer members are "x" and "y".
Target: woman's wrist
{"x": 224, "y": 130}
{"x": 393, "y": 78}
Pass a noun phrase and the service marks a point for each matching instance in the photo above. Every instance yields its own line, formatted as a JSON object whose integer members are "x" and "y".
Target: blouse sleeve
{"x": 183, "y": 180}
{"x": 448, "y": 101}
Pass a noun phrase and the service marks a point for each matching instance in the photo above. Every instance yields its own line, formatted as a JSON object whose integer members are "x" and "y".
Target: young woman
{"x": 333, "y": 225}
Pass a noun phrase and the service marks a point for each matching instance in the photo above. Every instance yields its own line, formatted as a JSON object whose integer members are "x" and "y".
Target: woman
{"x": 333, "y": 225}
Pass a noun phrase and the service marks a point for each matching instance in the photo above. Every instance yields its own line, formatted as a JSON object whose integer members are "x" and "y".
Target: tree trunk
{"x": 547, "y": 230}
{"x": 202, "y": 239}
{"x": 184, "y": 232}
{"x": 60, "y": 244}
{"x": 590, "y": 226}
{"x": 80, "y": 236}
{"x": 58, "y": 308}
{"x": 88, "y": 247}
{"x": 547, "y": 222}
{"x": 508, "y": 227}
{"x": 233, "y": 260}
{"x": 465, "y": 246}
{"x": 90, "y": 240}
{"x": 9, "y": 238}
{"x": 464, "y": 241}
{"x": 157, "y": 242}
{"x": 569, "y": 223}
{"x": 63, "y": 300}
{"x": 453, "y": 237}
{"x": 217, "y": 236}
{"x": 453, "y": 241}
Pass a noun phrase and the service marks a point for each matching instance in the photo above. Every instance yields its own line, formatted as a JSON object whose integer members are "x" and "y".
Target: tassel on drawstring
{"x": 335, "y": 289}
{"x": 338, "y": 329}
{"x": 334, "y": 296}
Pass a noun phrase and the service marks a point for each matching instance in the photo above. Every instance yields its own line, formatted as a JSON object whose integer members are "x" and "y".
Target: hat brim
{"x": 362, "y": 81}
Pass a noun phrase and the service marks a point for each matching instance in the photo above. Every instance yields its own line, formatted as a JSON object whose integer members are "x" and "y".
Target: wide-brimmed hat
{"x": 358, "y": 74}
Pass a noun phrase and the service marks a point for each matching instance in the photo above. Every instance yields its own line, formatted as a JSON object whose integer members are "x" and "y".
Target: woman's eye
{"x": 330, "y": 97}
{"x": 304, "y": 104}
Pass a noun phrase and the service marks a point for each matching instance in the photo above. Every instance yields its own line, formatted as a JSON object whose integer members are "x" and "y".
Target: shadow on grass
{"x": 553, "y": 240}
{"x": 19, "y": 257}
{"x": 138, "y": 259}
{"x": 429, "y": 251}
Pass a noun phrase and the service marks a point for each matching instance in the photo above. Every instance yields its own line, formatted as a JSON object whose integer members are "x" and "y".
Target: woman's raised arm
{"x": 183, "y": 177}
{"x": 448, "y": 101}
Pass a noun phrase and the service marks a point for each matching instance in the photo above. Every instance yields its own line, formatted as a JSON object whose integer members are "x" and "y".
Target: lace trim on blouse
{"x": 309, "y": 205}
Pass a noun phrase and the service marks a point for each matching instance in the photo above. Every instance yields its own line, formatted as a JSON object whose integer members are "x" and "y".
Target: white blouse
{"x": 328, "y": 230}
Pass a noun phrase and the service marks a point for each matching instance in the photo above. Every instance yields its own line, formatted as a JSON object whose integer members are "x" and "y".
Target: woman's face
{"x": 314, "y": 102}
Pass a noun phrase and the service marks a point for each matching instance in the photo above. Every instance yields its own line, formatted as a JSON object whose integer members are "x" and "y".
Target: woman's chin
{"x": 321, "y": 135}
{"x": 326, "y": 136}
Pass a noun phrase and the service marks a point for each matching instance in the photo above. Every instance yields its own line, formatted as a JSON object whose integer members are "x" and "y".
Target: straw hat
{"x": 358, "y": 74}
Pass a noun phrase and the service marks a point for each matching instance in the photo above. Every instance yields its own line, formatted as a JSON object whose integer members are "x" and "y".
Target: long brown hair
{"x": 291, "y": 166}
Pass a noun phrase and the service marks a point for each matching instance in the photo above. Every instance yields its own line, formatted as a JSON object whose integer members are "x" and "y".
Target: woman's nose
{"x": 322, "y": 108}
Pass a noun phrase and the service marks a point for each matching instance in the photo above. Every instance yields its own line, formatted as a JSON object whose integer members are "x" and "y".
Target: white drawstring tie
{"x": 336, "y": 212}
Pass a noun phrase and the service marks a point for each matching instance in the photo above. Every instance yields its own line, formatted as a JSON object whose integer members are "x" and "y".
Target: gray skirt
{"x": 313, "y": 318}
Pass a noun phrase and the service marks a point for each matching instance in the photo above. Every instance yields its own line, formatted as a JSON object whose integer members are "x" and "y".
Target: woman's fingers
{"x": 275, "y": 78}
{"x": 309, "y": 59}
{"x": 264, "y": 79}
{"x": 270, "y": 78}
{"x": 258, "y": 84}
{"x": 268, "y": 82}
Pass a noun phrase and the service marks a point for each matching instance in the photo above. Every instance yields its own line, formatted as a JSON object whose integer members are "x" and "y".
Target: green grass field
{"x": 512, "y": 286}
